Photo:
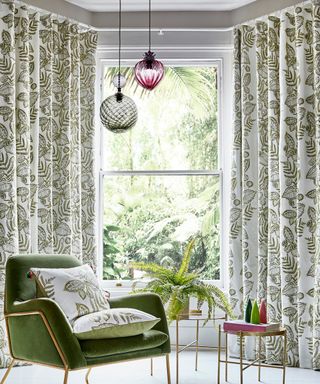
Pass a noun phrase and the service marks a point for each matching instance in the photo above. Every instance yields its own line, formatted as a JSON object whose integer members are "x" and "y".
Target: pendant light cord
{"x": 149, "y": 25}
{"x": 120, "y": 26}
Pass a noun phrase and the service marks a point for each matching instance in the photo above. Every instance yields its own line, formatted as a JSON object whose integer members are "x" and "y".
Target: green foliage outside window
{"x": 151, "y": 218}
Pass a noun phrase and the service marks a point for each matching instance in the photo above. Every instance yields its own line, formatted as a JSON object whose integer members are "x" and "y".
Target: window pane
{"x": 151, "y": 218}
{"x": 177, "y": 126}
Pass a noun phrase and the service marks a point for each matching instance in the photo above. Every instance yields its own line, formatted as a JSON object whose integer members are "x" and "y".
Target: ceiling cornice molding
{"x": 165, "y": 20}
{"x": 195, "y": 19}
{"x": 160, "y": 5}
{"x": 170, "y": 48}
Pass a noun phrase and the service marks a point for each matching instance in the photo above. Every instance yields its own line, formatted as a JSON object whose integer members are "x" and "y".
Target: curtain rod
{"x": 251, "y": 21}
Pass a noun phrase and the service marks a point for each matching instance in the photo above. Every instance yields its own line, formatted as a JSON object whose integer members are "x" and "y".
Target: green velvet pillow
{"x": 113, "y": 323}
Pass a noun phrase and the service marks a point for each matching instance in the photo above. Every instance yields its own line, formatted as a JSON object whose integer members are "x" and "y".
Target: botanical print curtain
{"x": 274, "y": 230}
{"x": 47, "y": 79}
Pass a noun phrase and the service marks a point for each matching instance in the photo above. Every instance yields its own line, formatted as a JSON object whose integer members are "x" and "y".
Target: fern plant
{"x": 176, "y": 286}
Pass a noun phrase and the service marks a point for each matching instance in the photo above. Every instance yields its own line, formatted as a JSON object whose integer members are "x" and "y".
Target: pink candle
{"x": 263, "y": 312}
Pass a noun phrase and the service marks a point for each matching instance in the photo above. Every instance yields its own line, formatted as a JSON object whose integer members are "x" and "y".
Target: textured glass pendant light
{"x": 149, "y": 71}
{"x": 118, "y": 112}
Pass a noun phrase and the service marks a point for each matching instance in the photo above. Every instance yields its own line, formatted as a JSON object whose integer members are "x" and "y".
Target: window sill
{"x": 116, "y": 285}
{"x": 126, "y": 290}
{"x": 118, "y": 292}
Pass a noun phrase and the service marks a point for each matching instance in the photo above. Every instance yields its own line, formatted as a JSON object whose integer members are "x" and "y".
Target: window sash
{"x": 218, "y": 63}
{"x": 163, "y": 173}
{"x": 125, "y": 285}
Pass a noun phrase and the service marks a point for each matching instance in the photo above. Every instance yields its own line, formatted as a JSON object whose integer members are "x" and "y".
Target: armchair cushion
{"x": 106, "y": 347}
{"x": 113, "y": 323}
{"x": 76, "y": 290}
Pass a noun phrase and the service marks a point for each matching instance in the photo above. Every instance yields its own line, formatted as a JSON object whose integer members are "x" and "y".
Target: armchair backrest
{"x": 17, "y": 284}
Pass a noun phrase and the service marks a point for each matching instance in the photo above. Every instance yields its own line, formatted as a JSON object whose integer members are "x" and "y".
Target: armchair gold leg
{"x": 87, "y": 375}
{"x": 168, "y": 369}
{"x": 7, "y": 372}
{"x": 66, "y": 374}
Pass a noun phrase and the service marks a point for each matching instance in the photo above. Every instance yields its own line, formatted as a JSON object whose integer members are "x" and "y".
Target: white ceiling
{"x": 160, "y": 5}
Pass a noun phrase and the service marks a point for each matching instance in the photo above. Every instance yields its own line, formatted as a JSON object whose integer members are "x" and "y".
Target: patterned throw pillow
{"x": 76, "y": 290}
{"x": 113, "y": 323}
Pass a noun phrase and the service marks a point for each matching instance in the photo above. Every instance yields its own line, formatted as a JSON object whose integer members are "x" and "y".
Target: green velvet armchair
{"x": 39, "y": 333}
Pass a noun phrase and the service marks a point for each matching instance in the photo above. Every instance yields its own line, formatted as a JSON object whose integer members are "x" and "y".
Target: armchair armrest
{"x": 149, "y": 303}
{"x": 40, "y": 332}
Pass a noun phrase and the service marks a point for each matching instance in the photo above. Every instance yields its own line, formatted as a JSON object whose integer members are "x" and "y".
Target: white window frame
{"x": 222, "y": 60}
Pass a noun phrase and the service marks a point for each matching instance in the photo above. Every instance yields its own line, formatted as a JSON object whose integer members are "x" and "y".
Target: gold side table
{"x": 180, "y": 348}
{"x": 258, "y": 361}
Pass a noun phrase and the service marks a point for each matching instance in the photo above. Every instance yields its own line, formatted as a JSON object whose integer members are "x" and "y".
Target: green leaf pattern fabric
{"x": 113, "y": 323}
{"x": 76, "y": 290}
{"x": 274, "y": 229}
{"x": 47, "y": 78}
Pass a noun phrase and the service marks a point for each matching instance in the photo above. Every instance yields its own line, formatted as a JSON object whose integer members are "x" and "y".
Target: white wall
{"x": 171, "y": 44}
{"x": 165, "y": 19}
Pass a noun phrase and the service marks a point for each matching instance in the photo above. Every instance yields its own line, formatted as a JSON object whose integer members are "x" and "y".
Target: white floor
{"x": 139, "y": 372}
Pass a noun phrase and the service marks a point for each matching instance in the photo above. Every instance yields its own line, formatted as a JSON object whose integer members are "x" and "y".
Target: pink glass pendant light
{"x": 149, "y": 71}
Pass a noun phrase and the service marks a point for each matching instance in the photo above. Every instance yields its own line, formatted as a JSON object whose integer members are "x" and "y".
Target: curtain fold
{"x": 47, "y": 184}
{"x": 275, "y": 216}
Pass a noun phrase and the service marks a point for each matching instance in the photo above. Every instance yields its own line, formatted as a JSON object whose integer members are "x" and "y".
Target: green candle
{"x": 255, "y": 317}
